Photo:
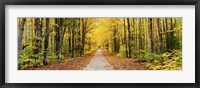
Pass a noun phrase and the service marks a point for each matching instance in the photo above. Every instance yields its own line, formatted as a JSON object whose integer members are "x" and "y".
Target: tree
{"x": 160, "y": 35}
{"x": 73, "y": 35}
{"x": 129, "y": 38}
{"x": 83, "y": 35}
{"x": 46, "y": 42}
{"x": 38, "y": 42}
{"x": 125, "y": 42}
{"x": 21, "y": 32}
{"x": 150, "y": 37}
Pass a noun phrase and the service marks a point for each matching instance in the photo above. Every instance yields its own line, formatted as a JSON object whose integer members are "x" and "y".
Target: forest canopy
{"x": 155, "y": 42}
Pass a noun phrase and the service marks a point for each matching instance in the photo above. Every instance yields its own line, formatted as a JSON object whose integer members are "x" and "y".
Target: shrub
{"x": 122, "y": 52}
{"x": 24, "y": 59}
{"x": 172, "y": 61}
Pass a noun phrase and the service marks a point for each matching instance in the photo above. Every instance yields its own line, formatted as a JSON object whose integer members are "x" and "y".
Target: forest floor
{"x": 77, "y": 63}
{"x": 97, "y": 60}
{"x": 124, "y": 63}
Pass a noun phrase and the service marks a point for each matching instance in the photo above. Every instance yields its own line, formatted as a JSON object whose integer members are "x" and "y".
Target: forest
{"x": 99, "y": 43}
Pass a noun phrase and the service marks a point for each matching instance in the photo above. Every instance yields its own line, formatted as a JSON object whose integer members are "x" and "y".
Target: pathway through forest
{"x": 98, "y": 62}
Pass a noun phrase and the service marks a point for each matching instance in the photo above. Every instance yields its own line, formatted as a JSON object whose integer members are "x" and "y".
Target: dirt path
{"x": 98, "y": 62}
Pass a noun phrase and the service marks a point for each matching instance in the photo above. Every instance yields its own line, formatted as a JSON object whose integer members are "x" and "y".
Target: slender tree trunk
{"x": 63, "y": 34}
{"x": 150, "y": 37}
{"x": 57, "y": 39}
{"x": 172, "y": 35}
{"x": 140, "y": 34}
{"x": 38, "y": 39}
{"x": 164, "y": 30}
{"x": 160, "y": 38}
{"x": 115, "y": 40}
{"x": 83, "y": 35}
{"x": 79, "y": 37}
{"x": 69, "y": 42}
{"x": 39, "y": 34}
{"x": 125, "y": 42}
{"x": 159, "y": 34}
{"x": 135, "y": 34}
{"x": 129, "y": 36}
{"x": 46, "y": 43}
{"x": 73, "y": 31}
{"x": 21, "y": 32}
{"x": 118, "y": 39}
{"x": 167, "y": 35}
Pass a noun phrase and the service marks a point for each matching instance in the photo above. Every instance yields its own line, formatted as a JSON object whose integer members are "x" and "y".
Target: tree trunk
{"x": 57, "y": 39}
{"x": 73, "y": 31}
{"x": 38, "y": 34}
{"x": 171, "y": 35}
{"x": 21, "y": 32}
{"x": 164, "y": 30}
{"x": 46, "y": 43}
{"x": 83, "y": 35}
{"x": 38, "y": 39}
{"x": 115, "y": 40}
{"x": 150, "y": 37}
{"x": 79, "y": 37}
{"x": 129, "y": 37}
{"x": 160, "y": 35}
{"x": 125, "y": 42}
{"x": 63, "y": 34}
{"x": 167, "y": 35}
{"x": 69, "y": 40}
{"x": 160, "y": 38}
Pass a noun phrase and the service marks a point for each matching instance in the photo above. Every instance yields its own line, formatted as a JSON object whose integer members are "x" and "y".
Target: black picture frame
{"x": 3, "y": 3}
